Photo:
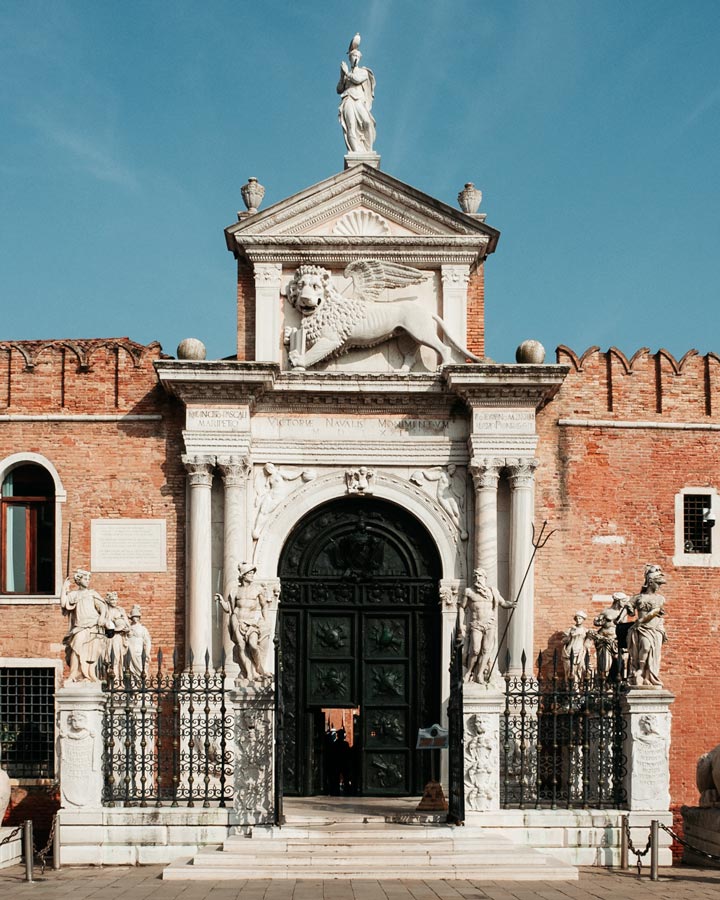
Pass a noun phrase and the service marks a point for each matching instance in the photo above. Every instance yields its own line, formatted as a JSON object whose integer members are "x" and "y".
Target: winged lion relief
{"x": 333, "y": 322}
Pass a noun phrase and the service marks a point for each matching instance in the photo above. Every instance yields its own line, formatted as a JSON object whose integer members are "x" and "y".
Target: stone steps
{"x": 344, "y": 850}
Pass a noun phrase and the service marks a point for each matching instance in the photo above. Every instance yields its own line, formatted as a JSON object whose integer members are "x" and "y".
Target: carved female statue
{"x": 117, "y": 628}
{"x": 647, "y": 633}
{"x": 88, "y": 615}
{"x": 574, "y": 651}
{"x": 357, "y": 88}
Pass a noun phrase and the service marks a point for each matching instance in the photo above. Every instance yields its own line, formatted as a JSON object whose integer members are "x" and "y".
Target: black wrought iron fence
{"x": 166, "y": 737}
{"x": 562, "y": 738}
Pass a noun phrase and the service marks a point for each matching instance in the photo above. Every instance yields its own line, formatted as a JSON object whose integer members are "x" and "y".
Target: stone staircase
{"x": 370, "y": 847}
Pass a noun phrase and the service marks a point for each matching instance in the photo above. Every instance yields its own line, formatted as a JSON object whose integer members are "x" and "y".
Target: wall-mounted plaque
{"x": 128, "y": 545}
{"x": 217, "y": 418}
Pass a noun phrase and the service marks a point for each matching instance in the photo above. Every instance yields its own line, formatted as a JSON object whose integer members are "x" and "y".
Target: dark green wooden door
{"x": 360, "y": 629}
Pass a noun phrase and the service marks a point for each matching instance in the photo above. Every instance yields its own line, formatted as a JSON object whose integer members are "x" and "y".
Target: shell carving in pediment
{"x": 361, "y": 223}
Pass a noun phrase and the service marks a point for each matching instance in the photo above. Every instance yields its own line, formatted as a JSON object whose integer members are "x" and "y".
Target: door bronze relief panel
{"x": 360, "y": 628}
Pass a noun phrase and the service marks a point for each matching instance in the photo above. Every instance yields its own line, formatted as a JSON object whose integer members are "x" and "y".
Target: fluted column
{"x": 198, "y": 610}
{"x": 235, "y": 471}
{"x": 485, "y": 474}
{"x": 521, "y": 475}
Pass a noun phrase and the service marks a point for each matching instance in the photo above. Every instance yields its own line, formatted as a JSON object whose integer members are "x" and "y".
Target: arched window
{"x": 27, "y": 538}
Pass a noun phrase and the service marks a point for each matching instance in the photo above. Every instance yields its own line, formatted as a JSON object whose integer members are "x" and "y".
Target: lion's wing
{"x": 371, "y": 277}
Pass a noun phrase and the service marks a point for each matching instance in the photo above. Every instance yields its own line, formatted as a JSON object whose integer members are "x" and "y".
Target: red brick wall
{"x": 111, "y": 469}
{"x": 245, "y": 312}
{"x": 599, "y": 481}
{"x": 476, "y": 312}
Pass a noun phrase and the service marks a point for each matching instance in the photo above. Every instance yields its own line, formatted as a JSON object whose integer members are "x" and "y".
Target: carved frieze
{"x": 450, "y": 486}
{"x": 272, "y": 485}
{"x": 481, "y": 762}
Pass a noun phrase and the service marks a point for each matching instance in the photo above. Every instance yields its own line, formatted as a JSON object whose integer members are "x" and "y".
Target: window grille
{"x": 27, "y": 713}
{"x": 697, "y": 533}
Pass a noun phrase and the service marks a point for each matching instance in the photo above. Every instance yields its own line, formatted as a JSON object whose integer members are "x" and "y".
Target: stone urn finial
{"x": 252, "y": 194}
{"x": 469, "y": 198}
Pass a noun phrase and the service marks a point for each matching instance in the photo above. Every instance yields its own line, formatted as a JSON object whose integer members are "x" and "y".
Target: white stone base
{"x": 702, "y": 829}
{"x": 10, "y": 853}
{"x": 354, "y": 158}
{"x": 581, "y": 837}
{"x": 134, "y": 836}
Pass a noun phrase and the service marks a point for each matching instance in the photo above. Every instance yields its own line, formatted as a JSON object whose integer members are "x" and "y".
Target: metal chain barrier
{"x": 42, "y": 854}
{"x": 639, "y": 854}
{"x": 676, "y": 837}
{"x": 14, "y": 833}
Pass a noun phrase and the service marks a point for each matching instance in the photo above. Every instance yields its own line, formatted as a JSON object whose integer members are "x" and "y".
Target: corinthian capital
{"x": 485, "y": 472}
{"x": 199, "y": 469}
{"x": 521, "y": 472}
{"x": 235, "y": 470}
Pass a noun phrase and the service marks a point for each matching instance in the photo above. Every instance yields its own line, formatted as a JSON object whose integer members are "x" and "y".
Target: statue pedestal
{"x": 353, "y": 158}
{"x": 254, "y": 716}
{"x": 482, "y": 707}
{"x": 80, "y": 710}
{"x": 647, "y": 748}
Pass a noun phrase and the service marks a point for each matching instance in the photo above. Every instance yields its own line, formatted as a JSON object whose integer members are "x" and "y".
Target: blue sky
{"x": 592, "y": 128}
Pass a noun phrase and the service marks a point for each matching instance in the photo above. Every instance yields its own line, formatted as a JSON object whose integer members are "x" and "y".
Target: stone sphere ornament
{"x": 191, "y": 348}
{"x": 252, "y": 194}
{"x": 469, "y": 198}
{"x": 531, "y": 352}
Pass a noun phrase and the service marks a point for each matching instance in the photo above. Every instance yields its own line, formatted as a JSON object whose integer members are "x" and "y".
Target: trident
{"x": 538, "y": 543}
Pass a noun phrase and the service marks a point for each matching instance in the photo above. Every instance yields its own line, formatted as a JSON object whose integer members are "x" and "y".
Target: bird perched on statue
{"x": 355, "y": 42}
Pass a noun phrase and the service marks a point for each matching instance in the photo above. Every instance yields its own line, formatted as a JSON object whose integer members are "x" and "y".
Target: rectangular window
{"x": 27, "y": 721}
{"x": 697, "y": 533}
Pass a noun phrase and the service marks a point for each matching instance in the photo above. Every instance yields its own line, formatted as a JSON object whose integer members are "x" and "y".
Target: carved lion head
{"x": 308, "y": 288}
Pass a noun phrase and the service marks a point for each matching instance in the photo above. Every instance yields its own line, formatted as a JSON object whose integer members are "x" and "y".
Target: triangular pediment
{"x": 361, "y": 202}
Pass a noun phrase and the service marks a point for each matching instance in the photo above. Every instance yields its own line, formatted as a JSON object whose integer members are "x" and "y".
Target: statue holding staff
{"x": 357, "y": 89}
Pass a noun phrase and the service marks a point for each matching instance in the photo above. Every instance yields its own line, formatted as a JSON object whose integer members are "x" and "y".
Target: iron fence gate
{"x": 561, "y": 739}
{"x": 167, "y": 738}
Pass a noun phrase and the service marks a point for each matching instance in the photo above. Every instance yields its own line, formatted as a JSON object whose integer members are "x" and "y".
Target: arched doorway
{"x": 359, "y": 632}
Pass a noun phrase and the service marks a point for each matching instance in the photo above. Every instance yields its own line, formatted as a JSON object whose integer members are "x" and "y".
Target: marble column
{"x": 522, "y": 511}
{"x": 235, "y": 472}
{"x": 198, "y": 609}
{"x": 485, "y": 474}
{"x": 451, "y": 590}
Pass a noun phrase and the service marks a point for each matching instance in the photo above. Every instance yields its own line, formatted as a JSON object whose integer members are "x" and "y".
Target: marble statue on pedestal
{"x": 575, "y": 647}
{"x": 606, "y": 638}
{"x": 85, "y": 641}
{"x": 334, "y": 323}
{"x": 139, "y": 644}
{"x": 479, "y": 627}
{"x": 357, "y": 90}
{"x": 647, "y": 633}
{"x": 248, "y": 624}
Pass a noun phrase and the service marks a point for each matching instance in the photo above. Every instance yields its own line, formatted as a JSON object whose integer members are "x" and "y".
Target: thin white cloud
{"x": 85, "y": 151}
{"x": 705, "y": 104}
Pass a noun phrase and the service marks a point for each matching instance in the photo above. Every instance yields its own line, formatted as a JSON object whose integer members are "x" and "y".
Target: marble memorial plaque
{"x": 128, "y": 545}
{"x": 217, "y": 418}
{"x": 504, "y": 421}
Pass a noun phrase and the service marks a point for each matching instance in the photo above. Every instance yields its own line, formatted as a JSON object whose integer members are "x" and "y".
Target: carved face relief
{"x": 306, "y": 290}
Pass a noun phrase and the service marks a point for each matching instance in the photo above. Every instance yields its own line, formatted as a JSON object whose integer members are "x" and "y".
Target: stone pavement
{"x": 143, "y": 883}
